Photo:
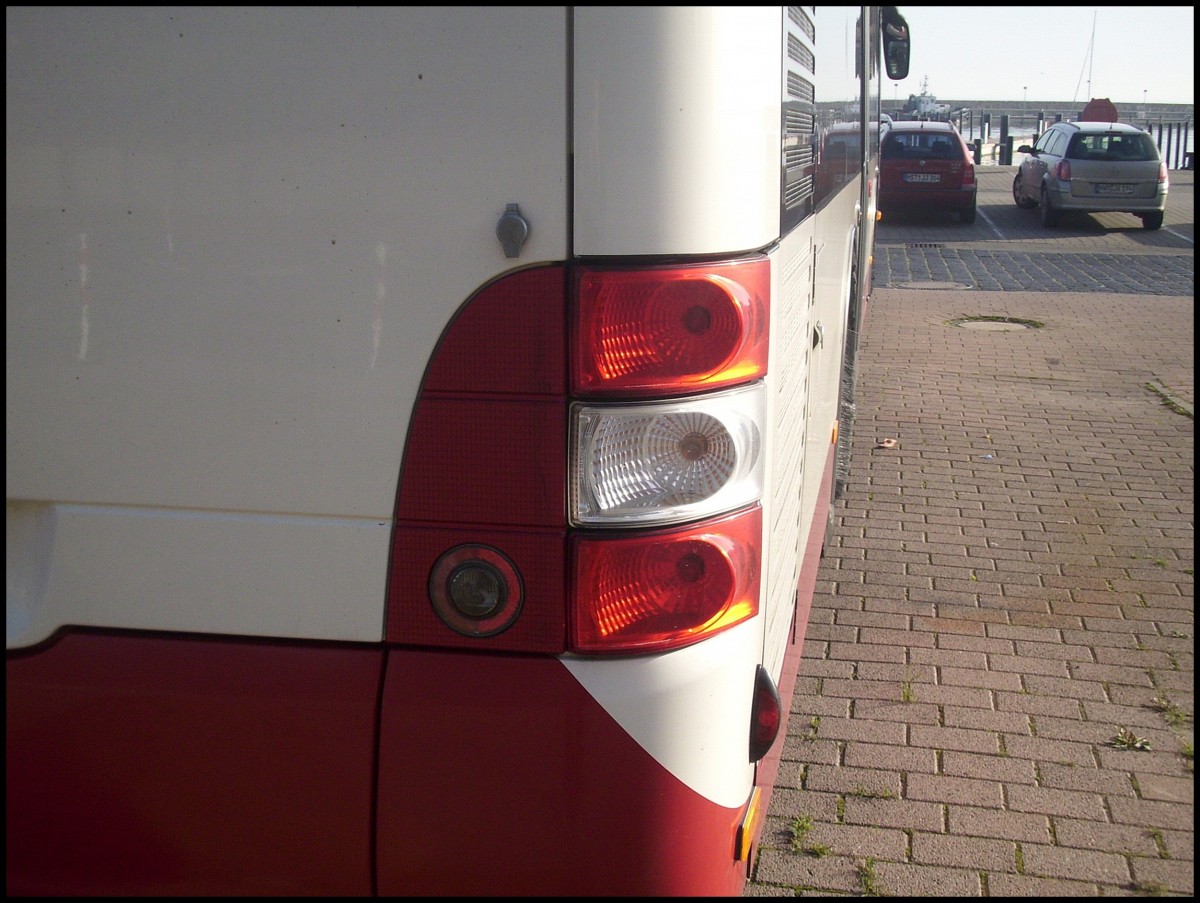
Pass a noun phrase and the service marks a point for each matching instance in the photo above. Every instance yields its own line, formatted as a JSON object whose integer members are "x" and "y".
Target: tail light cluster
{"x": 1062, "y": 171}
{"x": 968, "y": 173}
{"x": 612, "y": 458}
{"x": 666, "y": 453}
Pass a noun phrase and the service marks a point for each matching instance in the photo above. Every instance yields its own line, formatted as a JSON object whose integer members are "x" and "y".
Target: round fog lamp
{"x": 475, "y": 590}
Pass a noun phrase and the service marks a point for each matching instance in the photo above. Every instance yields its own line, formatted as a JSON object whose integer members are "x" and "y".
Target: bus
{"x": 422, "y": 430}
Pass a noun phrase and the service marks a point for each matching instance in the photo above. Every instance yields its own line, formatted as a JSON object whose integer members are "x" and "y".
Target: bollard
{"x": 1005, "y": 142}
{"x": 978, "y": 145}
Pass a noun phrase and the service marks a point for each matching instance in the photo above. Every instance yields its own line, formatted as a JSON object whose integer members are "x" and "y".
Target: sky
{"x": 1040, "y": 53}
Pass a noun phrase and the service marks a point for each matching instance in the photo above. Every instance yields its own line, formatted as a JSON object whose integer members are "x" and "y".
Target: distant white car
{"x": 1093, "y": 167}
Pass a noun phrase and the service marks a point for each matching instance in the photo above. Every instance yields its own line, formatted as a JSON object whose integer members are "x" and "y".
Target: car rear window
{"x": 915, "y": 145}
{"x": 1112, "y": 147}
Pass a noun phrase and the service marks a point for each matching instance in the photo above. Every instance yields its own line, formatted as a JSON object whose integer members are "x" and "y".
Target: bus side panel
{"x": 768, "y": 767}
{"x": 504, "y": 774}
{"x": 145, "y": 766}
{"x": 234, "y": 236}
{"x": 677, "y": 146}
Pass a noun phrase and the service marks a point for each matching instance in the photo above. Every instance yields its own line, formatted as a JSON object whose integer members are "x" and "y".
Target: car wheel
{"x": 967, "y": 214}
{"x": 1152, "y": 220}
{"x": 1049, "y": 214}
{"x": 1023, "y": 203}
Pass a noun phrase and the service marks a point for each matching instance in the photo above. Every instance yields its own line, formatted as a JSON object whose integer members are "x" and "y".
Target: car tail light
{"x": 651, "y": 591}
{"x": 1162, "y": 172}
{"x": 1062, "y": 171}
{"x": 968, "y": 173}
{"x": 673, "y": 330}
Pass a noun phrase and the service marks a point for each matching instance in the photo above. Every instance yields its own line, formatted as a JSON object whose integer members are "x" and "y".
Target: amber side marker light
{"x": 744, "y": 836}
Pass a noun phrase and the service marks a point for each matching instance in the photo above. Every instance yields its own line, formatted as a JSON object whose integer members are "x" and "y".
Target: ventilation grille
{"x": 797, "y": 130}
{"x": 798, "y": 17}
{"x": 800, "y": 88}
{"x": 801, "y": 55}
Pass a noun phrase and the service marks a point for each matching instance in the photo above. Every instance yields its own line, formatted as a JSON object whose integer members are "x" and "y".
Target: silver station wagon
{"x": 1093, "y": 167}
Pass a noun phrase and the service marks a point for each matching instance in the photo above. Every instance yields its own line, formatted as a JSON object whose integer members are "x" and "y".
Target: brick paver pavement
{"x": 996, "y": 694}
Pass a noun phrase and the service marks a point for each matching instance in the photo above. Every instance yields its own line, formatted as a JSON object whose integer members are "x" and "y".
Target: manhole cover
{"x": 992, "y": 326}
{"x": 995, "y": 324}
{"x": 933, "y": 286}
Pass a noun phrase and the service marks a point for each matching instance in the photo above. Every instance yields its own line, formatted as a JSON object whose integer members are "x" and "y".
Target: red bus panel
{"x": 501, "y": 773}
{"x": 149, "y": 766}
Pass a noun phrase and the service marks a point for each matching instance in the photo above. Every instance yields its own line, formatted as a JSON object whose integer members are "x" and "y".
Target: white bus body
{"x": 311, "y": 579}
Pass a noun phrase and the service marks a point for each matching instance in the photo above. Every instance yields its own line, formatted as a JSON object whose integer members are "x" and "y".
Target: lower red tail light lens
{"x": 666, "y": 589}
{"x": 1063, "y": 171}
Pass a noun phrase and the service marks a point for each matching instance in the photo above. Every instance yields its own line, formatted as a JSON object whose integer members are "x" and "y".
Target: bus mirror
{"x": 895, "y": 44}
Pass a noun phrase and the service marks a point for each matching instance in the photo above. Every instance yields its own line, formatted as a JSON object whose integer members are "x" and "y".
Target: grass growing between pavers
{"x": 1171, "y": 711}
{"x": 1127, "y": 739}
{"x": 800, "y": 828}
{"x": 866, "y": 877}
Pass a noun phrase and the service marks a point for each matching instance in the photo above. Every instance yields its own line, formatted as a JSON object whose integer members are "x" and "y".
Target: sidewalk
{"x": 996, "y": 692}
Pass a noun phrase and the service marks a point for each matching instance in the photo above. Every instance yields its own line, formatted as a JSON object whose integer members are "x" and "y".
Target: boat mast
{"x": 1091, "y": 55}
{"x": 1087, "y": 61}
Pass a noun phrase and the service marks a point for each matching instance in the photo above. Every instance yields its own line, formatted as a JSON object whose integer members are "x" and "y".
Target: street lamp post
{"x": 1024, "y": 95}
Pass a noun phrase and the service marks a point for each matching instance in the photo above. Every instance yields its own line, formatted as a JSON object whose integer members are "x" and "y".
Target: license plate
{"x": 922, "y": 177}
{"x": 1113, "y": 188}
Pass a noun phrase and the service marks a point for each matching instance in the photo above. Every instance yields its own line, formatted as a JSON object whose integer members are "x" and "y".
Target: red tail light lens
{"x": 667, "y": 589}
{"x": 670, "y": 330}
{"x": 1162, "y": 172}
{"x": 968, "y": 173}
{"x": 1063, "y": 171}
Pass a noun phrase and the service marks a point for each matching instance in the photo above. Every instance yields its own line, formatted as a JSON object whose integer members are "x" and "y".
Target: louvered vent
{"x": 799, "y": 119}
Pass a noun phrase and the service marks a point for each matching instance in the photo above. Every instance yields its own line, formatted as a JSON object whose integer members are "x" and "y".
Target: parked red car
{"x": 926, "y": 166}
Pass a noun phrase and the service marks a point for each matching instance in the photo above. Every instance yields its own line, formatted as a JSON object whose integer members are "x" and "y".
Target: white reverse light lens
{"x": 667, "y": 462}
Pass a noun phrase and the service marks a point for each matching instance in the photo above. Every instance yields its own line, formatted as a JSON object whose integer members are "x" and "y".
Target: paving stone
{"x": 1019, "y": 570}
